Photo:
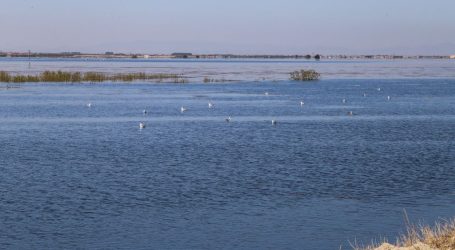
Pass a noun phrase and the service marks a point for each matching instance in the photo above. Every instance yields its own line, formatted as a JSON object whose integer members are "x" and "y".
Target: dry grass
{"x": 439, "y": 237}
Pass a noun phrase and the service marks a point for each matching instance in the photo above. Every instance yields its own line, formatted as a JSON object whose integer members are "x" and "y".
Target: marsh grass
{"x": 305, "y": 75}
{"x": 4, "y": 77}
{"x": 441, "y": 237}
{"x": 212, "y": 80}
{"x": 61, "y": 76}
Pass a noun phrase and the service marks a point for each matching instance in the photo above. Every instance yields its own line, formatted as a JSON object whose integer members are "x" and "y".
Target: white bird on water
{"x": 379, "y": 89}
{"x": 210, "y": 105}
{"x": 274, "y": 122}
{"x": 141, "y": 125}
{"x": 350, "y": 113}
{"x": 144, "y": 112}
{"x": 388, "y": 98}
{"x": 266, "y": 93}
{"x": 228, "y": 119}
{"x": 344, "y": 100}
{"x": 182, "y": 109}
{"x": 89, "y": 105}
{"x": 302, "y": 103}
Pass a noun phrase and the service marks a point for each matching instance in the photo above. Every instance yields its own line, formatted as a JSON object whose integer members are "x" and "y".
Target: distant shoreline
{"x": 110, "y": 55}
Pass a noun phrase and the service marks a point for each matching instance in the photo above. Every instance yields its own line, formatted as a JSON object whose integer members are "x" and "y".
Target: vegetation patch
{"x": 212, "y": 80}
{"x": 439, "y": 237}
{"x": 305, "y": 75}
{"x": 61, "y": 76}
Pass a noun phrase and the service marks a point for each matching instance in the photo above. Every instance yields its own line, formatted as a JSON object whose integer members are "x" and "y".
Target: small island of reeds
{"x": 305, "y": 75}
{"x": 77, "y": 77}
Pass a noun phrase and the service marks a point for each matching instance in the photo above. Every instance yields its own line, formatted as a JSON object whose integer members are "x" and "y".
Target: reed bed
{"x": 74, "y": 77}
{"x": 213, "y": 80}
{"x": 305, "y": 75}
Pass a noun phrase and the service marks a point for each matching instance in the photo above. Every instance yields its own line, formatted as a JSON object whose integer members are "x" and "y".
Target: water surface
{"x": 79, "y": 177}
{"x": 239, "y": 70}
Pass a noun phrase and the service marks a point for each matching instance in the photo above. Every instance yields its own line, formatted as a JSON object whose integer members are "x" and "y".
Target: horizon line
{"x": 191, "y": 54}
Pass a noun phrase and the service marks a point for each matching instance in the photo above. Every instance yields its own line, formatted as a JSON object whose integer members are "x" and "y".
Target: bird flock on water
{"x": 228, "y": 119}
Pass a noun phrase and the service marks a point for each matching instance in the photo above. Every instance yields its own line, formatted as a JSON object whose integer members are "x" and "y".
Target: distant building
{"x": 109, "y": 53}
{"x": 146, "y": 56}
{"x": 452, "y": 57}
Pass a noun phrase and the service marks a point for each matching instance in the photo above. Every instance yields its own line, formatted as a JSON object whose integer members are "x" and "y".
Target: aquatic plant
{"x": 27, "y": 78}
{"x": 212, "y": 80}
{"x": 94, "y": 77}
{"x": 57, "y": 76}
{"x": 305, "y": 75}
{"x": 4, "y": 76}
{"x": 61, "y": 76}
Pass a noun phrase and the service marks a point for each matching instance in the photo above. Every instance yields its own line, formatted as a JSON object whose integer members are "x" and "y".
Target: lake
{"x": 80, "y": 177}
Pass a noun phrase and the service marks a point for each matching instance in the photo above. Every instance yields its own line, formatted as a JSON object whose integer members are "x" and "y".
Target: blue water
{"x": 79, "y": 177}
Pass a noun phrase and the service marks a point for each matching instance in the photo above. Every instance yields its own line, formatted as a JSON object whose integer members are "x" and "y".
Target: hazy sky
{"x": 229, "y": 26}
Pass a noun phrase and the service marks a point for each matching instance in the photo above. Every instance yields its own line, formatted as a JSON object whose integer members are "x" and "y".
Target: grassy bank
{"x": 439, "y": 237}
{"x": 61, "y": 76}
